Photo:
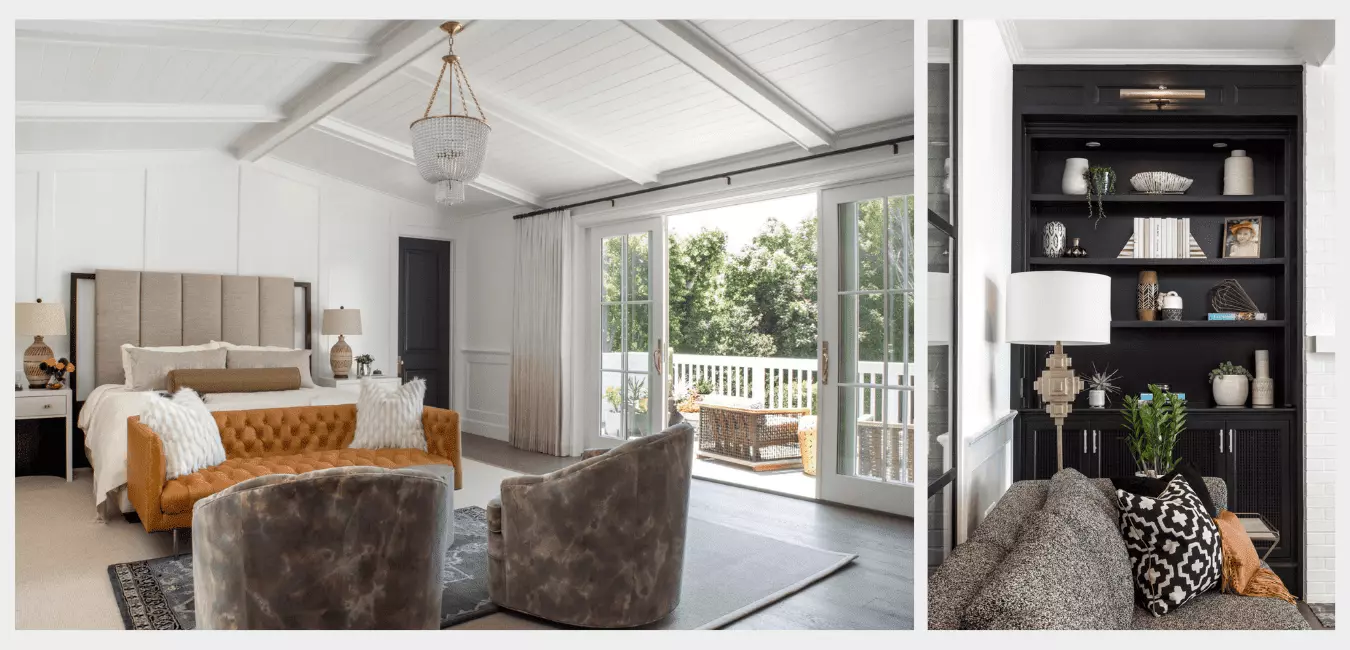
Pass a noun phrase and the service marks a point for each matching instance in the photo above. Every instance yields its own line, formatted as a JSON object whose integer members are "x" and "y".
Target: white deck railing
{"x": 786, "y": 383}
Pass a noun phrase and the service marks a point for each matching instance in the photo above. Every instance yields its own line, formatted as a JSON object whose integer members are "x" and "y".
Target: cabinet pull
{"x": 1232, "y": 446}
{"x": 46, "y": 406}
{"x": 1096, "y": 433}
{"x": 1085, "y": 441}
{"x": 1221, "y": 441}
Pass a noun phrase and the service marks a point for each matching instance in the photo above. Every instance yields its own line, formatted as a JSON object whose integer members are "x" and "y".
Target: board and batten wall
{"x": 487, "y": 298}
{"x": 204, "y": 211}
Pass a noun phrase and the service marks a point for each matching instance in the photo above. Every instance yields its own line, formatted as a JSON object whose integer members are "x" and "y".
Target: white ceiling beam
{"x": 198, "y": 36}
{"x": 403, "y": 152}
{"x": 527, "y": 119}
{"x": 691, "y": 46}
{"x": 403, "y": 45}
{"x": 1314, "y": 40}
{"x": 107, "y": 112}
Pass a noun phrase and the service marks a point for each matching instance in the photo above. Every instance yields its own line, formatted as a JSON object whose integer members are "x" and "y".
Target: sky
{"x": 742, "y": 222}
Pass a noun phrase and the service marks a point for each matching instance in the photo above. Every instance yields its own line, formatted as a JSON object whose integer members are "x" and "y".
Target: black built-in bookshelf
{"x": 1058, "y": 110}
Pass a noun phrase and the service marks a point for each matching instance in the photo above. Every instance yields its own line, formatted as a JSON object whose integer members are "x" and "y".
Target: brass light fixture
{"x": 450, "y": 148}
{"x": 1162, "y": 96}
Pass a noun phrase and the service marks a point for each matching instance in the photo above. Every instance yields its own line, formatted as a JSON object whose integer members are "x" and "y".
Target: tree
{"x": 774, "y": 279}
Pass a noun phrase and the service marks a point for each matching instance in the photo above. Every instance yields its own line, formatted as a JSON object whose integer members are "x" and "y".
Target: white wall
{"x": 1319, "y": 318}
{"x": 206, "y": 212}
{"x": 985, "y": 198}
{"x": 489, "y": 250}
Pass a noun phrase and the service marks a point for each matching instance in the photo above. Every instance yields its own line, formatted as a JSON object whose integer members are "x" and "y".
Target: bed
{"x": 162, "y": 309}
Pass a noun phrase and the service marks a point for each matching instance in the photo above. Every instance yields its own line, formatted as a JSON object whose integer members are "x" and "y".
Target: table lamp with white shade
{"x": 341, "y": 321}
{"x": 38, "y": 319}
{"x": 1059, "y": 308}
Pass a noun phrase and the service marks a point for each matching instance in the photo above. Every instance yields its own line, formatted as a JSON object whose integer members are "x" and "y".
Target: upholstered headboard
{"x": 157, "y": 308}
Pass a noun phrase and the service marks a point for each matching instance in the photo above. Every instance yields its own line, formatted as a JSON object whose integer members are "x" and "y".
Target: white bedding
{"x": 104, "y": 422}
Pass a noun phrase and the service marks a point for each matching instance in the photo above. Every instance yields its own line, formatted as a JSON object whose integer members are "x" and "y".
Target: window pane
{"x": 639, "y": 267}
{"x": 638, "y": 324}
{"x": 611, "y": 266}
{"x": 611, "y": 404}
{"x": 611, "y": 336}
{"x": 862, "y": 243}
{"x": 941, "y": 527}
{"x": 635, "y": 408}
{"x": 863, "y": 332}
{"x": 900, "y": 349}
{"x": 900, "y": 220}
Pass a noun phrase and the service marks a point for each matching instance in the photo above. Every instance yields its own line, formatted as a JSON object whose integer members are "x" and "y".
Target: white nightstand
{"x": 42, "y": 403}
{"x": 354, "y": 383}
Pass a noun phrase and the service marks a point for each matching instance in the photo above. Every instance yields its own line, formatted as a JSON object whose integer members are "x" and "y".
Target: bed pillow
{"x": 231, "y": 346}
{"x": 390, "y": 418}
{"x": 189, "y": 434}
{"x": 234, "y": 380}
{"x": 126, "y": 357}
{"x": 237, "y": 357}
{"x": 1174, "y": 546}
{"x": 149, "y": 369}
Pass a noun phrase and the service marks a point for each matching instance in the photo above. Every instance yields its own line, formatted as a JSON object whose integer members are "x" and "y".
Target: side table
{"x": 40, "y": 404}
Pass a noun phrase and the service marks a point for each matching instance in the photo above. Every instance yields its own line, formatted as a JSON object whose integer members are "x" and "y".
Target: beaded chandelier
{"x": 450, "y": 148}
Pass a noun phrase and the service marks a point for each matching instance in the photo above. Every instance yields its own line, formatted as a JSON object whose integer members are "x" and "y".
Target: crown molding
{"x": 108, "y": 112}
{"x": 1120, "y": 56}
{"x": 202, "y": 37}
{"x": 1012, "y": 43}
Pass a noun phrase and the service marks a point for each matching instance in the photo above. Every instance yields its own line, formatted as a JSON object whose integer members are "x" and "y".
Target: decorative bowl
{"x": 1160, "y": 183}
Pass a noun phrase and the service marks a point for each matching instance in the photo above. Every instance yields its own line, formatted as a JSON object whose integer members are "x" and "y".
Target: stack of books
{"x": 1162, "y": 237}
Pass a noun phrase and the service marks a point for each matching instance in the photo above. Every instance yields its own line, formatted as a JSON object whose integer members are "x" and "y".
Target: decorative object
{"x": 1162, "y": 237}
{"x": 1174, "y": 546}
{"x": 38, "y": 319}
{"x": 1170, "y": 304}
{"x": 1052, "y": 239}
{"x": 1242, "y": 238}
{"x": 390, "y": 417}
{"x": 1148, "y": 295}
{"x": 1101, "y": 385}
{"x": 1230, "y": 385}
{"x": 1162, "y": 97}
{"x": 806, "y": 442}
{"x": 1263, "y": 387}
{"x": 1076, "y": 251}
{"x": 1059, "y": 308}
{"x": 1229, "y": 296}
{"x": 1101, "y": 181}
{"x": 758, "y": 438}
{"x": 187, "y": 432}
{"x": 1154, "y": 425}
{"x": 1075, "y": 181}
{"x": 56, "y": 370}
{"x": 450, "y": 148}
{"x": 363, "y": 365}
{"x": 341, "y": 321}
{"x": 1160, "y": 183}
{"x": 1237, "y": 174}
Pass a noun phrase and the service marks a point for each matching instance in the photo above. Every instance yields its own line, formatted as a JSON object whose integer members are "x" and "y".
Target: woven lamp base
{"x": 340, "y": 357}
{"x": 32, "y": 358}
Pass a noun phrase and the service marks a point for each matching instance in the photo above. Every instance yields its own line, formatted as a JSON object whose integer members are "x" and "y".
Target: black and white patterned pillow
{"x": 1173, "y": 544}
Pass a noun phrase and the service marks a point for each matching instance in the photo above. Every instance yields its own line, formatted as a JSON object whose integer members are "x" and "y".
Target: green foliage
{"x": 1227, "y": 368}
{"x": 1154, "y": 427}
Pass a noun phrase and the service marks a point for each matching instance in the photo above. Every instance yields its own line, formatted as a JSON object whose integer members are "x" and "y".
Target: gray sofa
{"x": 598, "y": 544}
{"x": 1050, "y": 556}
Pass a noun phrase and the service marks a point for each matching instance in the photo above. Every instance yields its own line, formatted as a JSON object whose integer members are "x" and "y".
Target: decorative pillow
{"x": 189, "y": 434}
{"x": 285, "y": 358}
{"x": 149, "y": 369}
{"x": 273, "y": 348}
{"x": 234, "y": 380}
{"x": 1152, "y": 487}
{"x": 126, "y": 356}
{"x": 390, "y": 418}
{"x": 1174, "y": 546}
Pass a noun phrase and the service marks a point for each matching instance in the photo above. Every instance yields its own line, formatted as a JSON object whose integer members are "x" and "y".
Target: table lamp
{"x": 38, "y": 319}
{"x": 341, "y": 321}
{"x": 1059, "y": 308}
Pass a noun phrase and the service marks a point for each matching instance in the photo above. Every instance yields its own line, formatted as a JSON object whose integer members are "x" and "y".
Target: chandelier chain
{"x": 436, "y": 90}
{"x": 472, "y": 96}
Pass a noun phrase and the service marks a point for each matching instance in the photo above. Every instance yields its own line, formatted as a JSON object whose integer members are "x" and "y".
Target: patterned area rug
{"x": 157, "y": 594}
{"x": 1326, "y": 613}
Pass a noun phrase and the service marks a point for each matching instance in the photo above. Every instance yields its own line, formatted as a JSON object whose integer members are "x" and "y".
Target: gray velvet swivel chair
{"x": 599, "y": 544}
{"x": 340, "y": 548}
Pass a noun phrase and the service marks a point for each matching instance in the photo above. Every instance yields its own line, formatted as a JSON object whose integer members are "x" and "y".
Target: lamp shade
{"x": 39, "y": 319}
{"x": 342, "y": 321}
{"x": 1045, "y": 307}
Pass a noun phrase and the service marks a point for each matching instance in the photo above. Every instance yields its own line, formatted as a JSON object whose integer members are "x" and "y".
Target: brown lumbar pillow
{"x": 234, "y": 380}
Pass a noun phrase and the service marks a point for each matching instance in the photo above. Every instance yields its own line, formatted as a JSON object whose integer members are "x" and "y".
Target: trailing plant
{"x": 1227, "y": 368}
{"x": 1096, "y": 177}
{"x": 1154, "y": 426}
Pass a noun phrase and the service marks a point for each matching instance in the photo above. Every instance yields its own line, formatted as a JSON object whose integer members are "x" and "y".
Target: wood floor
{"x": 875, "y": 592}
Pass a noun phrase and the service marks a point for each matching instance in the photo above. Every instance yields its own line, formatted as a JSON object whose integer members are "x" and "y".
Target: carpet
{"x": 1325, "y": 613}
{"x": 728, "y": 574}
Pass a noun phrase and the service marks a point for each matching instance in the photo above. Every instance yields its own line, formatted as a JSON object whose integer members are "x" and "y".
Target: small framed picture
{"x": 1242, "y": 237}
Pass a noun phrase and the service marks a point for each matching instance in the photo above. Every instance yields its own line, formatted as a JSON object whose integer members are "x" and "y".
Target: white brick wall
{"x": 1320, "y": 318}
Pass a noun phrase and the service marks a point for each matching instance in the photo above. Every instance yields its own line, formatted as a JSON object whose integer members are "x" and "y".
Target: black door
{"x": 1204, "y": 443}
{"x": 424, "y": 315}
{"x": 1260, "y": 450}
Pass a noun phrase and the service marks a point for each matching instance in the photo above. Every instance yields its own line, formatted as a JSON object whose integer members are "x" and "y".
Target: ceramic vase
{"x": 1076, "y": 251}
{"x": 1170, "y": 305}
{"x": 1073, "y": 181}
{"x": 1052, "y": 239}
{"x": 1230, "y": 390}
{"x": 1097, "y": 398}
{"x": 1148, "y": 295}
{"x": 1237, "y": 174}
{"x": 1263, "y": 387}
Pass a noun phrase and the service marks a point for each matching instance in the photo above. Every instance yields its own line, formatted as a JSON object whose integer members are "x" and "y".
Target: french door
{"x": 870, "y": 409}
{"x": 627, "y": 275}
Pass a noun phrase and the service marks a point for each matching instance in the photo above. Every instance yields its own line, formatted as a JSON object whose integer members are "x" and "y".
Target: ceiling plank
{"x": 107, "y": 112}
{"x": 203, "y": 37}
{"x": 403, "y": 152}
{"x": 531, "y": 120}
{"x": 403, "y": 45}
{"x": 683, "y": 40}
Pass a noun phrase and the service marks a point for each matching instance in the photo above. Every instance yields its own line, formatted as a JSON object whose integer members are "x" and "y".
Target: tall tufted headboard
{"x": 159, "y": 308}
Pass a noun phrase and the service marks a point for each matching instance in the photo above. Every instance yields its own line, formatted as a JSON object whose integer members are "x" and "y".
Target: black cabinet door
{"x": 1259, "y": 482}
{"x": 1039, "y": 448}
{"x": 1110, "y": 442}
{"x": 1205, "y": 444}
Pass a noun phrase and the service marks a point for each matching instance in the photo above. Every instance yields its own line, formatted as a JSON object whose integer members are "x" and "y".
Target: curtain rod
{"x": 894, "y": 143}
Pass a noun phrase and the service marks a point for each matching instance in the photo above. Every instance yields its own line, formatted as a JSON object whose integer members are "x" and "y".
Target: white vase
{"x": 1073, "y": 181}
{"x": 1263, "y": 387}
{"x": 1230, "y": 390}
{"x": 1097, "y": 398}
{"x": 1237, "y": 174}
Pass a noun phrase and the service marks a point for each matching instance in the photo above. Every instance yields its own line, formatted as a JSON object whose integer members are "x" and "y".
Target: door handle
{"x": 657, "y": 355}
{"x": 1085, "y": 441}
{"x": 824, "y": 362}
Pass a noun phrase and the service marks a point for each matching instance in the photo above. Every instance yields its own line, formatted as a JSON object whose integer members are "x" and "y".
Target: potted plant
{"x": 638, "y": 423}
{"x": 363, "y": 365}
{"x": 613, "y": 414}
{"x": 1154, "y": 425}
{"x": 1101, "y": 385}
{"x": 1100, "y": 182}
{"x": 1230, "y": 384}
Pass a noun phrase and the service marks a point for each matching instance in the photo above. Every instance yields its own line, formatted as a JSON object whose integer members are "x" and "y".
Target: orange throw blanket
{"x": 1242, "y": 570}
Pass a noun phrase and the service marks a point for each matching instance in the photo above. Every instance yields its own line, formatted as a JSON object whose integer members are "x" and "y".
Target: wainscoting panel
{"x": 986, "y": 473}
{"x": 486, "y": 411}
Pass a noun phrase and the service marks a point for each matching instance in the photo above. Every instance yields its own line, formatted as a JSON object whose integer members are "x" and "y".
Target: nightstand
{"x": 42, "y": 403}
{"x": 389, "y": 382}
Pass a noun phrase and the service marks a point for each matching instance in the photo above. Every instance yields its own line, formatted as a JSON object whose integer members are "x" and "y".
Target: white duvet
{"x": 104, "y": 422}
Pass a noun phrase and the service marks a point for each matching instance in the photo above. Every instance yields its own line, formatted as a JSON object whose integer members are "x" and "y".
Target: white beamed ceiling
{"x": 574, "y": 105}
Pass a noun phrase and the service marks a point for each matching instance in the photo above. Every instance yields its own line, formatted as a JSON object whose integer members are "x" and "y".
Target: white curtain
{"x": 541, "y": 349}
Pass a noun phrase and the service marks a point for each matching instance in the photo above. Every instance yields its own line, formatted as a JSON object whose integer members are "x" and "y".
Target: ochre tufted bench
{"x": 271, "y": 441}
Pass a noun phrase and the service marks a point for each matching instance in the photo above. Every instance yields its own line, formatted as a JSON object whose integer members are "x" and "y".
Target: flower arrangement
{"x": 56, "y": 370}
{"x": 363, "y": 365}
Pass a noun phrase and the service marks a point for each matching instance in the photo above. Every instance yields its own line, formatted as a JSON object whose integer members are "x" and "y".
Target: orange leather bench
{"x": 271, "y": 441}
